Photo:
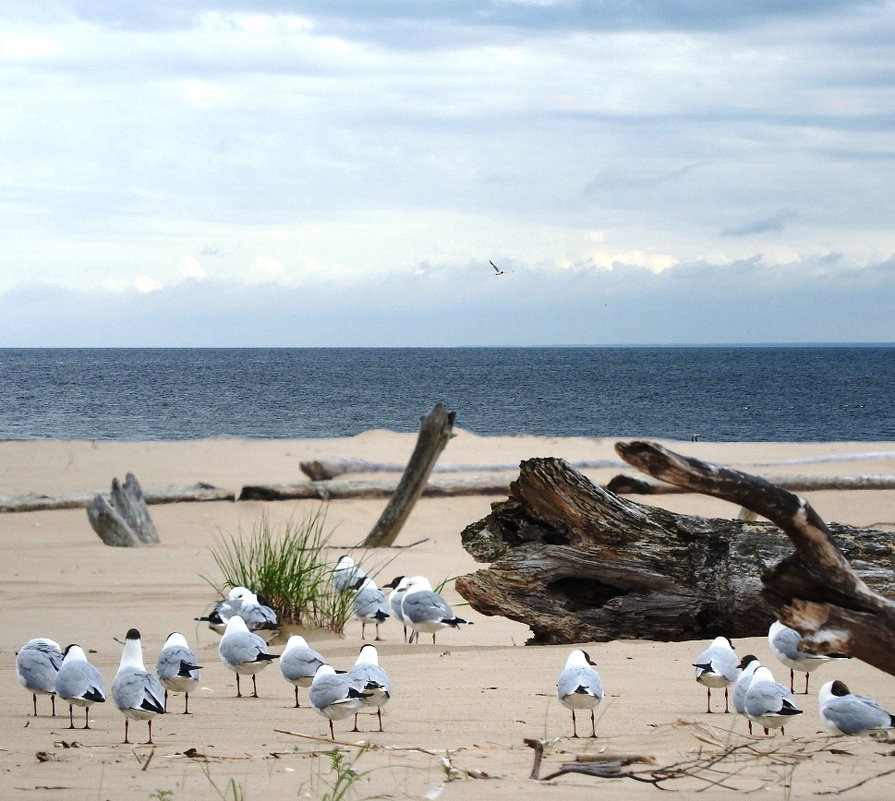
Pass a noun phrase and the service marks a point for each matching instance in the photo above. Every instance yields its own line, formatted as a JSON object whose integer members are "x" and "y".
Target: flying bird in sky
{"x": 497, "y": 270}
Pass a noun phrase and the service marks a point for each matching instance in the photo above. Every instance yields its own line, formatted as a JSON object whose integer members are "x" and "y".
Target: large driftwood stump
{"x": 820, "y": 590}
{"x": 436, "y": 429}
{"x": 577, "y": 563}
{"x": 123, "y": 520}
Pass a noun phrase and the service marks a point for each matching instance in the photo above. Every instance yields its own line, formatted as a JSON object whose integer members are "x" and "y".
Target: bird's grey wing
{"x": 300, "y": 663}
{"x": 137, "y": 689}
{"x": 327, "y": 690}
{"x": 787, "y": 642}
{"x": 425, "y": 606}
{"x": 38, "y": 668}
{"x": 362, "y": 676}
{"x": 241, "y": 647}
{"x": 854, "y": 713}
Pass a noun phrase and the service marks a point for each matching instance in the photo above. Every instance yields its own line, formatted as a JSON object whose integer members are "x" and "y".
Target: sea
{"x": 745, "y": 393}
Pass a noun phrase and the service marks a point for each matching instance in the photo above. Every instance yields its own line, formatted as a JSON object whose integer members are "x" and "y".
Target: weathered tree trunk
{"x": 633, "y": 485}
{"x": 436, "y": 428}
{"x": 123, "y": 520}
{"x": 577, "y": 563}
{"x": 816, "y": 590}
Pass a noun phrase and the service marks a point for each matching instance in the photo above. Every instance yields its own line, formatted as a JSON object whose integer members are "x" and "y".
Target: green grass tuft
{"x": 287, "y": 565}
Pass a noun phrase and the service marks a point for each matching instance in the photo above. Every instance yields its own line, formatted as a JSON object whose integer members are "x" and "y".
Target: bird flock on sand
{"x": 246, "y": 624}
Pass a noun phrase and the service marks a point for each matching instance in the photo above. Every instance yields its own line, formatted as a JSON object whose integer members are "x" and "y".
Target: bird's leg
{"x": 379, "y": 715}
{"x": 71, "y": 716}
{"x": 708, "y": 700}
{"x": 238, "y": 693}
{"x": 574, "y": 726}
{"x": 86, "y": 717}
{"x": 355, "y": 723}
{"x": 378, "y": 638}
{"x": 363, "y": 629}
{"x": 166, "y": 701}
{"x": 186, "y": 704}
{"x": 149, "y": 741}
{"x": 297, "y": 705}
{"x": 806, "y": 682}
{"x": 750, "y": 725}
{"x": 792, "y": 678}
{"x": 726, "y": 703}
{"x": 34, "y": 699}
{"x": 53, "y": 704}
{"x": 126, "y": 741}
{"x": 254, "y": 686}
{"x": 593, "y": 725}
{"x": 433, "y": 638}
{"x": 332, "y": 734}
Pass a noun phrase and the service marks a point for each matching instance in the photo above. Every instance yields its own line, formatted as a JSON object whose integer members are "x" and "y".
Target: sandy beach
{"x": 461, "y": 709}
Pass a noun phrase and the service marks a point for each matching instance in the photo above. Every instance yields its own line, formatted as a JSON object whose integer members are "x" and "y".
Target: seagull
{"x": 299, "y": 663}
{"x": 37, "y": 664}
{"x": 717, "y": 667}
{"x": 748, "y": 665}
{"x": 177, "y": 668}
{"x": 398, "y": 586}
{"x": 137, "y": 693}
{"x": 769, "y": 702}
{"x": 346, "y": 573}
{"x": 225, "y": 609}
{"x": 334, "y": 696}
{"x": 372, "y": 679}
{"x": 79, "y": 683}
{"x": 497, "y": 271}
{"x": 785, "y": 642}
{"x": 370, "y": 605}
{"x": 258, "y": 616}
{"x": 425, "y": 610}
{"x": 243, "y": 651}
{"x": 579, "y": 687}
{"x": 844, "y": 713}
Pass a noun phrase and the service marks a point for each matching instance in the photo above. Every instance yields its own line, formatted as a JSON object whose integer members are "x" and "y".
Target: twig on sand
{"x": 367, "y": 745}
{"x": 715, "y": 769}
{"x": 858, "y": 784}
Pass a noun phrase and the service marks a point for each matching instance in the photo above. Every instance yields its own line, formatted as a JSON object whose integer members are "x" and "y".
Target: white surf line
{"x": 832, "y": 457}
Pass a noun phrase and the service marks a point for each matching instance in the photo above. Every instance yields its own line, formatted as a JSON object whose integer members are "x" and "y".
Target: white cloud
{"x": 190, "y": 268}
{"x": 145, "y": 283}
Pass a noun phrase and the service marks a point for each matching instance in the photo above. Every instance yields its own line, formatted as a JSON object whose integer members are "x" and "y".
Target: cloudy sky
{"x": 288, "y": 173}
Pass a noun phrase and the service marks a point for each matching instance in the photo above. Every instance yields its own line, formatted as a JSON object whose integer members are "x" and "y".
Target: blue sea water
{"x": 720, "y": 393}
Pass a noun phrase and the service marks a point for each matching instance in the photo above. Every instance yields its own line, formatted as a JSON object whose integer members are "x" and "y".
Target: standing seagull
{"x": 299, "y": 663}
{"x": 370, "y": 605}
{"x": 177, "y": 668}
{"x": 748, "y": 665}
{"x": 242, "y": 651}
{"x": 768, "y": 702}
{"x": 37, "y": 664}
{"x": 334, "y": 695}
{"x": 579, "y": 687}
{"x": 79, "y": 683}
{"x": 398, "y": 586}
{"x": 372, "y": 680}
{"x": 717, "y": 667}
{"x": 346, "y": 573}
{"x": 844, "y": 713}
{"x": 137, "y": 693}
{"x": 785, "y": 643}
{"x": 425, "y": 610}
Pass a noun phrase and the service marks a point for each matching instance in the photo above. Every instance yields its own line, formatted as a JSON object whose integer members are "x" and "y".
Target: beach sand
{"x": 460, "y": 709}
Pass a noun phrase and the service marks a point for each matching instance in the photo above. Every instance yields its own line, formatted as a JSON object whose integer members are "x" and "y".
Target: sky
{"x": 269, "y": 173}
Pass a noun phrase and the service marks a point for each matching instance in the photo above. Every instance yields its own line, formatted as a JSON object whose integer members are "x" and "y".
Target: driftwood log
{"x": 123, "y": 520}
{"x": 436, "y": 429}
{"x": 577, "y": 563}
{"x": 820, "y": 590}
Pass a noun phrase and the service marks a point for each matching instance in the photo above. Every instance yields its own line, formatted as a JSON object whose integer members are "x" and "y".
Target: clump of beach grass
{"x": 286, "y": 564}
